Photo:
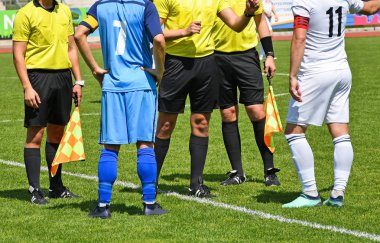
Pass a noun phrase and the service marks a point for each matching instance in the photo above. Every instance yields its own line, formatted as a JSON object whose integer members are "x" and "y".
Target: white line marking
{"x": 244, "y": 210}
{"x": 279, "y": 74}
{"x": 90, "y": 76}
{"x": 98, "y": 114}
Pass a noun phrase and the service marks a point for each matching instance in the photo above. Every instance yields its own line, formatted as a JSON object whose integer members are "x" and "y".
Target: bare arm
{"x": 274, "y": 13}
{"x": 31, "y": 98}
{"x": 263, "y": 30}
{"x": 371, "y": 7}
{"x": 238, "y": 23}
{"x": 81, "y": 39}
{"x": 193, "y": 28}
{"x": 296, "y": 55}
{"x": 73, "y": 56}
{"x": 262, "y": 26}
{"x": 159, "y": 57}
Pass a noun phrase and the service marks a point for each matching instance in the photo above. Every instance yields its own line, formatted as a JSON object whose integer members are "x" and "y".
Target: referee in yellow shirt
{"x": 190, "y": 70}
{"x": 45, "y": 55}
{"x": 239, "y": 67}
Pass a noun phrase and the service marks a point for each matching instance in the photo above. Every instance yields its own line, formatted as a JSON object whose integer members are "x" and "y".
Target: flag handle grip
{"x": 75, "y": 100}
{"x": 268, "y": 76}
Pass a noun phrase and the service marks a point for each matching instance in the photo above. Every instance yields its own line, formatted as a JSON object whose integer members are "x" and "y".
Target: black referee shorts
{"x": 188, "y": 76}
{"x": 240, "y": 70}
{"x": 55, "y": 90}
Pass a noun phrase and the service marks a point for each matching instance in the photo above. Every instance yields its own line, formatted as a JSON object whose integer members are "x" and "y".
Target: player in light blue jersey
{"x": 128, "y": 90}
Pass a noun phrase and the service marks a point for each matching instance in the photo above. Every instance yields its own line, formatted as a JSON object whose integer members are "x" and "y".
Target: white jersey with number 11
{"x": 325, "y": 36}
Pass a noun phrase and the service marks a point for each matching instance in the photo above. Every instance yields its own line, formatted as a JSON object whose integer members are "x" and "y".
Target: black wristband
{"x": 266, "y": 43}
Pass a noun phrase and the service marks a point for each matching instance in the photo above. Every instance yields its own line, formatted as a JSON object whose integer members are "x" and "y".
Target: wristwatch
{"x": 248, "y": 15}
{"x": 269, "y": 54}
{"x": 80, "y": 82}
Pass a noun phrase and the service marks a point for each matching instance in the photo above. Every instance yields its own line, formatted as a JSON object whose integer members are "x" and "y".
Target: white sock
{"x": 343, "y": 157}
{"x": 303, "y": 160}
{"x": 336, "y": 193}
{"x": 102, "y": 205}
{"x": 151, "y": 203}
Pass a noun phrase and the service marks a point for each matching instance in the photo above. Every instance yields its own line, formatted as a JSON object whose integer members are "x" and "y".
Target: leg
{"x": 165, "y": 126}
{"x": 232, "y": 143}
{"x": 198, "y": 150}
{"x": 147, "y": 171}
{"x": 304, "y": 162}
{"x": 343, "y": 157}
{"x": 107, "y": 174}
{"x": 54, "y": 136}
{"x": 32, "y": 158}
{"x": 256, "y": 114}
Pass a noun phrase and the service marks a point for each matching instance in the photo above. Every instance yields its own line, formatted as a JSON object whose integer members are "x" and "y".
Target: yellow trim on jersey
{"x": 227, "y": 40}
{"x": 91, "y": 21}
{"x": 179, "y": 14}
{"x": 46, "y": 34}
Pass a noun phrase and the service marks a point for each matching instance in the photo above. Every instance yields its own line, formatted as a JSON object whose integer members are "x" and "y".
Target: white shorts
{"x": 325, "y": 97}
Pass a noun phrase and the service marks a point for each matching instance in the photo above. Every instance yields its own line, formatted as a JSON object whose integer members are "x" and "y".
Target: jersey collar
{"x": 37, "y": 4}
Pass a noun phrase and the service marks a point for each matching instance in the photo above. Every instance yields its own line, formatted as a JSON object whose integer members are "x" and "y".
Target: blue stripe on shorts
{"x": 128, "y": 117}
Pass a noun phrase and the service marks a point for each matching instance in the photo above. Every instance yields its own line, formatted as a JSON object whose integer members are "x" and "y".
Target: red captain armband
{"x": 301, "y": 22}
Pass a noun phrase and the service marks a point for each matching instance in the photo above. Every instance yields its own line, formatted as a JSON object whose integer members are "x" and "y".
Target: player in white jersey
{"x": 320, "y": 83}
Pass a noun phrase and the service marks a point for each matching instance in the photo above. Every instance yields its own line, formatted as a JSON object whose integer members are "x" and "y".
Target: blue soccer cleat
{"x": 304, "y": 201}
{"x": 334, "y": 202}
{"x": 153, "y": 209}
{"x": 100, "y": 212}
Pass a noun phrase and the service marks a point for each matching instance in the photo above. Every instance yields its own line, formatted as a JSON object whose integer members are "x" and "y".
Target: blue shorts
{"x": 128, "y": 117}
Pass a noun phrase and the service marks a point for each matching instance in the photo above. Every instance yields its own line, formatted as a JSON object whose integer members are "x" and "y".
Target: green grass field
{"x": 249, "y": 212}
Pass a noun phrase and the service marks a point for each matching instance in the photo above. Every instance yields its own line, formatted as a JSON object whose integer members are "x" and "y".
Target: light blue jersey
{"x": 126, "y": 28}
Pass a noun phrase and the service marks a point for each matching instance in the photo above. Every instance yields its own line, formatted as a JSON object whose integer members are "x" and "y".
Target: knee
{"x": 255, "y": 112}
{"x": 165, "y": 129}
{"x": 229, "y": 114}
{"x": 201, "y": 125}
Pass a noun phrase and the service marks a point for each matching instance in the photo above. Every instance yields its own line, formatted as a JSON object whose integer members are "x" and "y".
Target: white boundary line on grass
{"x": 98, "y": 114}
{"x": 244, "y": 210}
{"x": 90, "y": 76}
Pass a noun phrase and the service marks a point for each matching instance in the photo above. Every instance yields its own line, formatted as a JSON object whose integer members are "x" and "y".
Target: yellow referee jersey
{"x": 179, "y": 14}
{"x": 46, "y": 33}
{"x": 227, "y": 40}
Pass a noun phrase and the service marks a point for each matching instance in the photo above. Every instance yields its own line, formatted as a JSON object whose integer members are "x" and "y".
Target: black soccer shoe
{"x": 201, "y": 191}
{"x": 233, "y": 178}
{"x": 153, "y": 209}
{"x": 270, "y": 178}
{"x": 66, "y": 193}
{"x": 38, "y": 197}
{"x": 100, "y": 212}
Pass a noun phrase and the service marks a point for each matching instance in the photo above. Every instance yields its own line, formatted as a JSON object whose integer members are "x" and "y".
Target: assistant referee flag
{"x": 272, "y": 120}
{"x": 71, "y": 146}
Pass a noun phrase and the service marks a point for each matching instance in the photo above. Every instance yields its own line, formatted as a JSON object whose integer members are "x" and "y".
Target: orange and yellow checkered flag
{"x": 71, "y": 146}
{"x": 272, "y": 121}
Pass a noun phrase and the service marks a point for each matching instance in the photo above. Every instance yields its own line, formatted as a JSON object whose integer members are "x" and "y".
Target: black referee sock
{"x": 161, "y": 148}
{"x": 266, "y": 154}
{"x": 32, "y": 158}
{"x": 198, "y": 151}
{"x": 231, "y": 139}
{"x": 56, "y": 181}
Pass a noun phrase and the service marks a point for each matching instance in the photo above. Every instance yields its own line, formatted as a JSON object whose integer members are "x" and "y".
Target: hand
{"x": 294, "y": 89}
{"x": 155, "y": 73}
{"x": 270, "y": 66}
{"x": 77, "y": 92}
{"x": 194, "y": 28}
{"x": 252, "y": 6}
{"x": 31, "y": 98}
{"x": 98, "y": 73}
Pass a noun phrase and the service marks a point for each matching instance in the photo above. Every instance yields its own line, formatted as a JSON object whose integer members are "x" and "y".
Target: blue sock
{"x": 107, "y": 173}
{"x": 147, "y": 171}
